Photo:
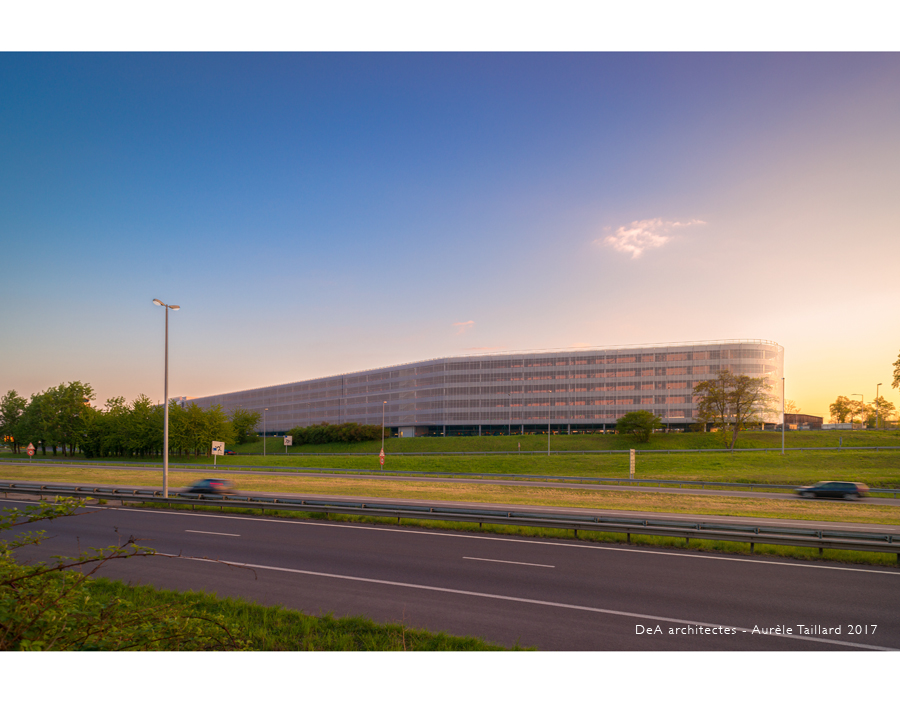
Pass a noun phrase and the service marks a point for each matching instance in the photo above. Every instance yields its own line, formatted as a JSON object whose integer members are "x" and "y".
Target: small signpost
{"x": 30, "y": 451}
{"x": 288, "y": 442}
{"x": 381, "y": 457}
{"x": 631, "y": 467}
{"x": 217, "y": 449}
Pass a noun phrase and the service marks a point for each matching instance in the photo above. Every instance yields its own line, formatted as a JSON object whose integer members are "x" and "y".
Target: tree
{"x": 840, "y": 409}
{"x": 639, "y": 423}
{"x": 883, "y": 409}
{"x": 896, "y": 383}
{"x": 244, "y": 423}
{"x": 732, "y": 402}
{"x": 791, "y": 407}
{"x": 12, "y": 407}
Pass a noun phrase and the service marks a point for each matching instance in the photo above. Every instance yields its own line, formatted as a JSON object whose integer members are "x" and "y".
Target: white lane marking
{"x": 207, "y": 532}
{"x": 461, "y": 536}
{"x": 522, "y": 600}
{"x": 508, "y": 562}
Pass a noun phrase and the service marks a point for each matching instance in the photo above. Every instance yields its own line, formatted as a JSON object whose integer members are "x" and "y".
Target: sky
{"x": 322, "y": 213}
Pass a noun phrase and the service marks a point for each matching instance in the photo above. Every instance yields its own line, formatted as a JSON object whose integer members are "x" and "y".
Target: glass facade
{"x": 571, "y": 390}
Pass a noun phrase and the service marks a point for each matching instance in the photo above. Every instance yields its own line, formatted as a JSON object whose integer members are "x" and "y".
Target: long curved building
{"x": 569, "y": 390}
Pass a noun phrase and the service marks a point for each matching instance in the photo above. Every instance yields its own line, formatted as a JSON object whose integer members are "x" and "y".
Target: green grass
{"x": 579, "y": 442}
{"x": 280, "y": 629}
{"x": 794, "y": 468}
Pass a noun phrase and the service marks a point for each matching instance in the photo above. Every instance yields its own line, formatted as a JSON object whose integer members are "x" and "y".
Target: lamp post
{"x": 383, "y": 403}
{"x": 166, "y": 401}
{"x": 782, "y": 415}
{"x": 264, "y": 430}
{"x": 509, "y": 407}
{"x": 862, "y": 403}
{"x": 877, "y": 407}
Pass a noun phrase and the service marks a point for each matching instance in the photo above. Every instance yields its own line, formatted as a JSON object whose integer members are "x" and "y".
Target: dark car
{"x": 219, "y": 487}
{"x": 834, "y": 489}
{"x": 230, "y": 451}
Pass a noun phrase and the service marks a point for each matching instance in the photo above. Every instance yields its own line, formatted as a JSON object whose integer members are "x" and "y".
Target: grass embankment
{"x": 577, "y": 442}
{"x": 799, "y": 509}
{"x": 279, "y": 629}
{"x": 877, "y": 469}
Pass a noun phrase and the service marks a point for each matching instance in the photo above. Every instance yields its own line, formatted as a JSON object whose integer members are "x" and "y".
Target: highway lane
{"x": 555, "y": 595}
{"x": 639, "y": 513}
{"x": 587, "y": 484}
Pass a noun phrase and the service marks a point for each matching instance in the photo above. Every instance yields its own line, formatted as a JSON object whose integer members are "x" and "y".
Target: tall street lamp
{"x": 782, "y": 416}
{"x": 264, "y": 430}
{"x": 509, "y": 407}
{"x": 166, "y": 402}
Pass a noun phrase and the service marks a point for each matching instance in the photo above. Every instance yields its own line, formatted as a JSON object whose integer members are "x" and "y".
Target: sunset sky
{"x": 316, "y": 214}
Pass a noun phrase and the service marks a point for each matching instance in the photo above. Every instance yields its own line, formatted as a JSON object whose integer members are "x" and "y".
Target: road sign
{"x": 381, "y": 457}
{"x": 30, "y": 450}
{"x": 218, "y": 448}
{"x": 288, "y": 441}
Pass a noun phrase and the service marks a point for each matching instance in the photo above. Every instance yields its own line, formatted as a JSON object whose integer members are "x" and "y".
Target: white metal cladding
{"x": 576, "y": 387}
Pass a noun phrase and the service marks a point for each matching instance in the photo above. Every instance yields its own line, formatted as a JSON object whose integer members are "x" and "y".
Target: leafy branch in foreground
{"x": 52, "y": 607}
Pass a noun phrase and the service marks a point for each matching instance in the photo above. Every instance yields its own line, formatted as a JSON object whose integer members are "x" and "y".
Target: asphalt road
{"x": 554, "y": 595}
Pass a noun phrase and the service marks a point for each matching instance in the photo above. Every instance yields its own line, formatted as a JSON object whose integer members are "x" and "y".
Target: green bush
{"x": 51, "y": 606}
{"x": 639, "y": 423}
{"x": 324, "y": 433}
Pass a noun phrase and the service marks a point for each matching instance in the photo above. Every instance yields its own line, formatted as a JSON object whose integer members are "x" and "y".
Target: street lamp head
{"x": 156, "y": 301}
{"x": 174, "y": 306}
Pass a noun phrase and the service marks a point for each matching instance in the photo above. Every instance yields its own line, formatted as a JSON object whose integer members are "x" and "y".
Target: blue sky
{"x": 319, "y": 213}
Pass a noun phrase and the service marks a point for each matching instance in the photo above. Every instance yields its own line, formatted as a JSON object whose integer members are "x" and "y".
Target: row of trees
{"x": 63, "y": 419}
{"x": 324, "y": 433}
{"x": 843, "y": 409}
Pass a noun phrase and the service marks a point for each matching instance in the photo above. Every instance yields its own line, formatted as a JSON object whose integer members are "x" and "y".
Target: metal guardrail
{"x": 763, "y": 534}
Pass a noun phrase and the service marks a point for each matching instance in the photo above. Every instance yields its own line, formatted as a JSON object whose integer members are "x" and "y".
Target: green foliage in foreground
{"x": 52, "y": 607}
{"x": 279, "y": 629}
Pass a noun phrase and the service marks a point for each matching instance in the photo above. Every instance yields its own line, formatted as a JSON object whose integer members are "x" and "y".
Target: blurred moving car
{"x": 230, "y": 451}
{"x": 220, "y": 487}
{"x": 834, "y": 489}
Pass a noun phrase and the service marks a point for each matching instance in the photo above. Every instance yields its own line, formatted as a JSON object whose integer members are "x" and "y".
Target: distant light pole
{"x": 264, "y": 430}
{"x": 166, "y": 401}
{"x": 862, "y": 411}
{"x": 383, "y": 403}
{"x": 782, "y": 416}
{"x": 549, "y": 411}
{"x": 877, "y": 407}
{"x": 509, "y": 407}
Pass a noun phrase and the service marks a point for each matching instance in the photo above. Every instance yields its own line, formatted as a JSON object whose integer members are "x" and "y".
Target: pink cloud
{"x": 639, "y": 236}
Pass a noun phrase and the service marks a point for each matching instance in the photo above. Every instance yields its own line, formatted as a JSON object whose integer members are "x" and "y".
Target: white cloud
{"x": 463, "y": 326}
{"x": 639, "y": 236}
